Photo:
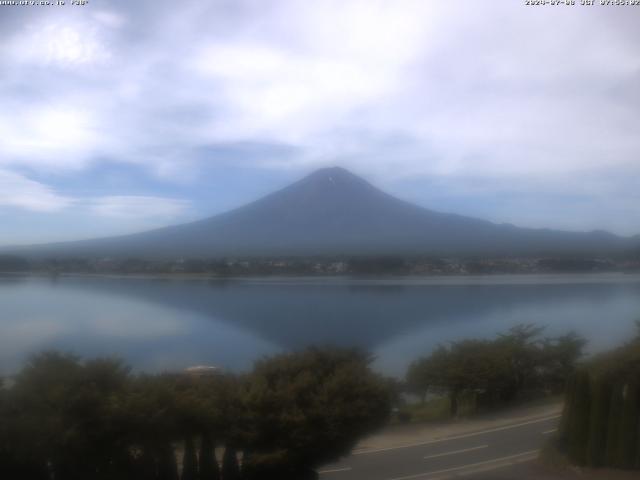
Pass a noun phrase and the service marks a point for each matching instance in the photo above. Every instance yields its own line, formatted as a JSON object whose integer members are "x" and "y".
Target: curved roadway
{"x": 449, "y": 457}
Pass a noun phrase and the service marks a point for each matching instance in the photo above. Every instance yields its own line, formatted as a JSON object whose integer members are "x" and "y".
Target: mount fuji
{"x": 334, "y": 212}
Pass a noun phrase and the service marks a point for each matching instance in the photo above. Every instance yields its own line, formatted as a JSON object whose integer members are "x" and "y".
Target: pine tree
{"x": 146, "y": 465}
{"x": 167, "y": 466}
{"x": 208, "y": 465}
{"x": 601, "y": 398}
{"x": 612, "y": 454}
{"x": 566, "y": 420}
{"x": 578, "y": 434}
{"x": 230, "y": 467}
{"x": 629, "y": 425}
{"x": 189, "y": 462}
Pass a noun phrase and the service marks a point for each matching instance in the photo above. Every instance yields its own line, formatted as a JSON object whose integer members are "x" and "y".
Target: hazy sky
{"x": 120, "y": 116}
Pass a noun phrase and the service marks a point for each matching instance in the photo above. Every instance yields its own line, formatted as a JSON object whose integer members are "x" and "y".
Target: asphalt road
{"x": 450, "y": 457}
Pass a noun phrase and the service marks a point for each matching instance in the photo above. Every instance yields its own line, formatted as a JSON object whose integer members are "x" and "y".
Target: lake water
{"x": 168, "y": 324}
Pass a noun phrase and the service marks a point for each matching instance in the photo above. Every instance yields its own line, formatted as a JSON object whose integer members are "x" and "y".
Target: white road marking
{"x": 491, "y": 468}
{"x": 508, "y": 459}
{"x": 458, "y": 437}
{"x": 334, "y": 470}
{"x": 456, "y": 452}
{"x": 547, "y": 432}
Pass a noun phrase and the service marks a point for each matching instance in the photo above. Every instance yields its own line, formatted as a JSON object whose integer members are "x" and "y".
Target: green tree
{"x": 68, "y": 419}
{"x": 521, "y": 346}
{"x": 427, "y": 374}
{"x": 71, "y": 413}
{"x": 559, "y": 357}
{"x": 309, "y": 408}
{"x": 497, "y": 371}
{"x": 466, "y": 368}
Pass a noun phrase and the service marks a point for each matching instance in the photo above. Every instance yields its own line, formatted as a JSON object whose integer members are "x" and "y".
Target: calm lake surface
{"x": 167, "y": 324}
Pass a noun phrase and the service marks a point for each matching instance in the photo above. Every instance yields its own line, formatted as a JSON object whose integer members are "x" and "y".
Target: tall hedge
{"x": 614, "y": 422}
{"x": 598, "y": 420}
{"x": 230, "y": 466}
{"x": 189, "y": 461}
{"x": 207, "y": 463}
{"x": 600, "y": 426}
{"x": 578, "y": 424}
{"x": 630, "y": 425}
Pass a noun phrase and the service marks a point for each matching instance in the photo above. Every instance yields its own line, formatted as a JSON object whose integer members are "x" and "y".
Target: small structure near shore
{"x": 202, "y": 371}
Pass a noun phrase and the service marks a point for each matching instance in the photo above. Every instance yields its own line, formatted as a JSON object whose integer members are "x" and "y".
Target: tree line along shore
{"x": 364, "y": 265}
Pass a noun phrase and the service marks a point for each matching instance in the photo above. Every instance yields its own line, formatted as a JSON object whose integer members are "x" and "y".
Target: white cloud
{"x": 134, "y": 207}
{"x": 60, "y": 42}
{"x": 410, "y": 88}
{"x": 291, "y": 80}
{"x": 110, "y": 19}
{"x": 50, "y": 135}
{"x": 469, "y": 90}
{"x": 468, "y": 87}
{"x": 281, "y": 94}
{"x": 21, "y": 192}
{"x": 18, "y": 191}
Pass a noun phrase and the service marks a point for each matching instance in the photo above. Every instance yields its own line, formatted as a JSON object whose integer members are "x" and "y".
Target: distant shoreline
{"x": 415, "y": 279}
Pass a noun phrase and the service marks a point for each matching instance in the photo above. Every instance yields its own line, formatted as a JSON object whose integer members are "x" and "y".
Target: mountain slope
{"x": 333, "y": 211}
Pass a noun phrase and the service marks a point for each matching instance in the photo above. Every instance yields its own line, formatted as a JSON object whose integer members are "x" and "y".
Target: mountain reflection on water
{"x": 158, "y": 324}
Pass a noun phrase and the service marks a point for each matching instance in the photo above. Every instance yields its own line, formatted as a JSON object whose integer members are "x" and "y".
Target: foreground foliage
{"x": 494, "y": 372}
{"x": 66, "y": 419}
{"x": 601, "y": 422}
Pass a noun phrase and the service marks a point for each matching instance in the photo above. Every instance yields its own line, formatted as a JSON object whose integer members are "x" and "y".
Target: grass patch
{"x": 433, "y": 410}
{"x": 429, "y": 411}
{"x": 439, "y": 408}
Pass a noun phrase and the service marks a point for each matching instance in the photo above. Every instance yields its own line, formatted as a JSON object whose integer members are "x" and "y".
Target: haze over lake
{"x": 168, "y": 324}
